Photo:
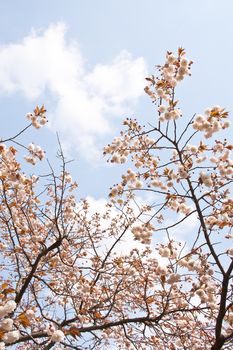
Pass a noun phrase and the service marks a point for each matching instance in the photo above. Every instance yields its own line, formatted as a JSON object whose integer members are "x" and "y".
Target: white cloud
{"x": 85, "y": 101}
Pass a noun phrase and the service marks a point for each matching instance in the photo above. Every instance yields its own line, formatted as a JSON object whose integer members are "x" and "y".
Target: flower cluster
{"x": 223, "y": 161}
{"x": 11, "y": 337}
{"x": 212, "y": 121}
{"x": 206, "y": 179}
{"x": 222, "y": 217}
{"x": 122, "y": 147}
{"x": 6, "y": 324}
{"x": 176, "y": 67}
{"x": 143, "y": 233}
{"x": 178, "y": 204}
{"x": 161, "y": 88}
{"x": 168, "y": 113}
{"x": 206, "y": 290}
{"x": 56, "y": 334}
{"x": 168, "y": 251}
{"x": 35, "y": 152}
{"x": 38, "y": 118}
{"x": 7, "y": 308}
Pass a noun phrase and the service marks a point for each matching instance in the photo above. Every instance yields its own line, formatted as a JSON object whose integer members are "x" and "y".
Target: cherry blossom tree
{"x": 64, "y": 282}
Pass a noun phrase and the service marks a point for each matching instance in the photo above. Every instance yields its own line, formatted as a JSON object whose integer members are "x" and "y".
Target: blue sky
{"x": 86, "y": 61}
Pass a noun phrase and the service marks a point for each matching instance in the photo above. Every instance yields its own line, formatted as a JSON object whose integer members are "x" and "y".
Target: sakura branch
{"x": 65, "y": 281}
